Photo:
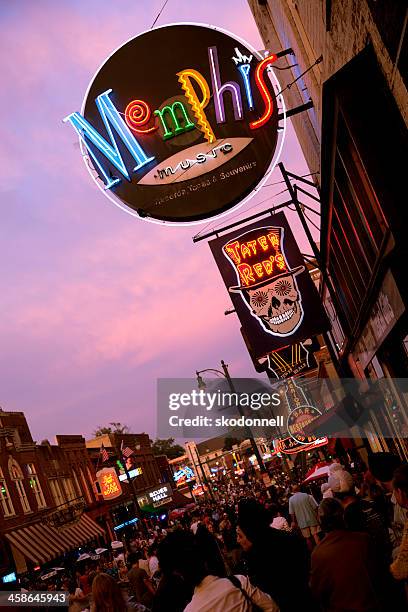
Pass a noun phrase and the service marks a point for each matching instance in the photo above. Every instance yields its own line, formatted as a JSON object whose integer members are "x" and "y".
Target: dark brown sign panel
{"x": 270, "y": 287}
{"x": 292, "y": 360}
{"x": 181, "y": 123}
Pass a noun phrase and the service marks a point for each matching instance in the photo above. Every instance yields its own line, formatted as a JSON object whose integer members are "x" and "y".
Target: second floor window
{"x": 56, "y": 492}
{"x": 5, "y": 500}
{"x": 36, "y": 486}
{"x": 17, "y": 475}
{"x": 69, "y": 488}
{"x": 23, "y": 496}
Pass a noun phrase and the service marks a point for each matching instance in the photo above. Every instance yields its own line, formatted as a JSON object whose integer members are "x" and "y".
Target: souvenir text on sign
{"x": 109, "y": 483}
{"x": 181, "y": 123}
{"x": 272, "y": 292}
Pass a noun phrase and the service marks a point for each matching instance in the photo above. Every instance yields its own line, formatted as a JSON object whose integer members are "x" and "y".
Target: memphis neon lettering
{"x": 175, "y": 118}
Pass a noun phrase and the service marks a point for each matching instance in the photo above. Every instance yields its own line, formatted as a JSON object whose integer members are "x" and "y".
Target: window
{"x": 23, "y": 496}
{"x": 5, "y": 499}
{"x": 86, "y": 488}
{"x": 78, "y": 486}
{"x": 17, "y": 475}
{"x": 90, "y": 478}
{"x": 56, "y": 492}
{"x": 358, "y": 226}
{"x": 36, "y": 486}
{"x": 69, "y": 488}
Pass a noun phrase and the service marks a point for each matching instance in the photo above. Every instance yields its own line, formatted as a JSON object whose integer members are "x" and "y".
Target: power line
{"x": 158, "y": 14}
{"x": 279, "y": 182}
{"x": 274, "y": 195}
{"x": 289, "y": 85}
{"x": 230, "y": 217}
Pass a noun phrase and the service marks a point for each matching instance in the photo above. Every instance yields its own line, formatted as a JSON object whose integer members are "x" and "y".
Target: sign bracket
{"x": 268, "y": 211}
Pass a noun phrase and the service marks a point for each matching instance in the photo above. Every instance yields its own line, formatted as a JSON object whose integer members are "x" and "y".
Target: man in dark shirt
{"x": 277, "y": 562}
{"x": 344, "y": 572}
{"x": 361, "y": 514}
{"x": 139, "y": 581}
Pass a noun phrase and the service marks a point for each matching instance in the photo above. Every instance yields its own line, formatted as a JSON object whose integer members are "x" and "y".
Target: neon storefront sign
{"x": 181, "y": 123}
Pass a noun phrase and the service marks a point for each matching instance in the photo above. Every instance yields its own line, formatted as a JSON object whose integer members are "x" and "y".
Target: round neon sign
{"x": 181, "y": 123}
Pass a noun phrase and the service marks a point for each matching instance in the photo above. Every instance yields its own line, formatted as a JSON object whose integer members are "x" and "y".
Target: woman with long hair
{"x": 106, "y": 595}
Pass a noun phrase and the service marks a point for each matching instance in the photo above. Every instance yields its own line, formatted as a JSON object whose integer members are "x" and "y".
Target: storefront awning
{"x": 41, "y": 543}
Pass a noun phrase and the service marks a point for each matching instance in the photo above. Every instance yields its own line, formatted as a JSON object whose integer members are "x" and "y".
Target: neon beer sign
{"x": 181, "y": 123}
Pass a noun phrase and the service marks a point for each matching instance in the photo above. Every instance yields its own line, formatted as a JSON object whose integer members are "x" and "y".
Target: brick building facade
{"x": 46, "y": 493}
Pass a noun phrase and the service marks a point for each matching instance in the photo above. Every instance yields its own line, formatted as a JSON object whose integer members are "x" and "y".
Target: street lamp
{"x": 225, "y": 374}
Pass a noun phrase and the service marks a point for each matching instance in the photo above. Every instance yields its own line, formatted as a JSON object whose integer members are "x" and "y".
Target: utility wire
{"x": 158, "y": 14}
{"x": 258, "y": 203}
{"x": 289, "y": 85}
{"x": 230, "y": 217}
{"x": 279, "y": 182}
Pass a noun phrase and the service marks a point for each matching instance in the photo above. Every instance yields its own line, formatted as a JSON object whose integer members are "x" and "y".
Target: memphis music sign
{"x": 181, "y": 123}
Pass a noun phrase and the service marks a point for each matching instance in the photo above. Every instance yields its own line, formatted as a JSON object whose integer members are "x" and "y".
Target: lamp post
{"x": 225, "y": 374}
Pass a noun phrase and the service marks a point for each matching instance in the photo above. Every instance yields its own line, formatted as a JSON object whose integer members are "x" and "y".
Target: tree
{"x": 115, "y": 428}
{"x": 167, "y": 447}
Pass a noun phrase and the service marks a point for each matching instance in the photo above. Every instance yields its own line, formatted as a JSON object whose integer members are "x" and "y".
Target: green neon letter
{"x": 178, "y": 129}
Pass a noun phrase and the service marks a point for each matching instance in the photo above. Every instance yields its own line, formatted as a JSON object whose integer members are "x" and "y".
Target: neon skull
{"x": 277, "y": 304}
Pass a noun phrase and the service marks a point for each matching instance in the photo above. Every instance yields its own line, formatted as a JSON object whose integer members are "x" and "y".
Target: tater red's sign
{"x": 181, "y": 123}
{"x": 270, "y": 287}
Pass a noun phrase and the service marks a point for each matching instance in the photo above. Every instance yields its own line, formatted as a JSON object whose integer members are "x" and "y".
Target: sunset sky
{"x": 96, "y": 305}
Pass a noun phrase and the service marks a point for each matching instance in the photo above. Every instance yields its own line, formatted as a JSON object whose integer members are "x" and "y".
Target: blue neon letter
{"x": 244, "y": 70}
{"x": 110, "y": 117}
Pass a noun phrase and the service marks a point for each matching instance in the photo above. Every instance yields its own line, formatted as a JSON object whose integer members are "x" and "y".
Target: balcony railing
{"x": 66, "y": 514}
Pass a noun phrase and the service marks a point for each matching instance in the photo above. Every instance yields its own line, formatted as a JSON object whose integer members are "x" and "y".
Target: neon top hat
{"x": 258, "y": 258}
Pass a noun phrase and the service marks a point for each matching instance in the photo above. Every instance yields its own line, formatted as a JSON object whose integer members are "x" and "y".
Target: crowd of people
{"x": 342, "y": 549}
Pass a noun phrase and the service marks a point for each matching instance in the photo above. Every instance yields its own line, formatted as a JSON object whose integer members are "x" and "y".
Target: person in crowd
{"x": 153, "y": 561}
{"x": 106, "y": 595}
{"x": 196, "y": 521}
{"x": 278, "y": 519}
{"x": 174, "y": 591}
{"x": 344, "y": 572}
{"x": 122, "y": 571}
{"x": 93, "y": 571}
{"x": 269, "y": 553}
{"x": 83, "y": 580}
{"x": 139, "y": 582}
{"x": 399, "y": 568}
{"x": 120, "y": 556}
{"x": 111, "y": 569}
{"x": 212, "y": 593}
{"x": 303, "y": 513}
{"x": 144, "y": 559}
{"x": 211, "y": 551}
{"x": 77, "y": 601}
{"x": 382, "y": 467}
{"x": 360, "y": 514}
{"x": 326, "y": 490}
{"x": 230, "y": 546}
